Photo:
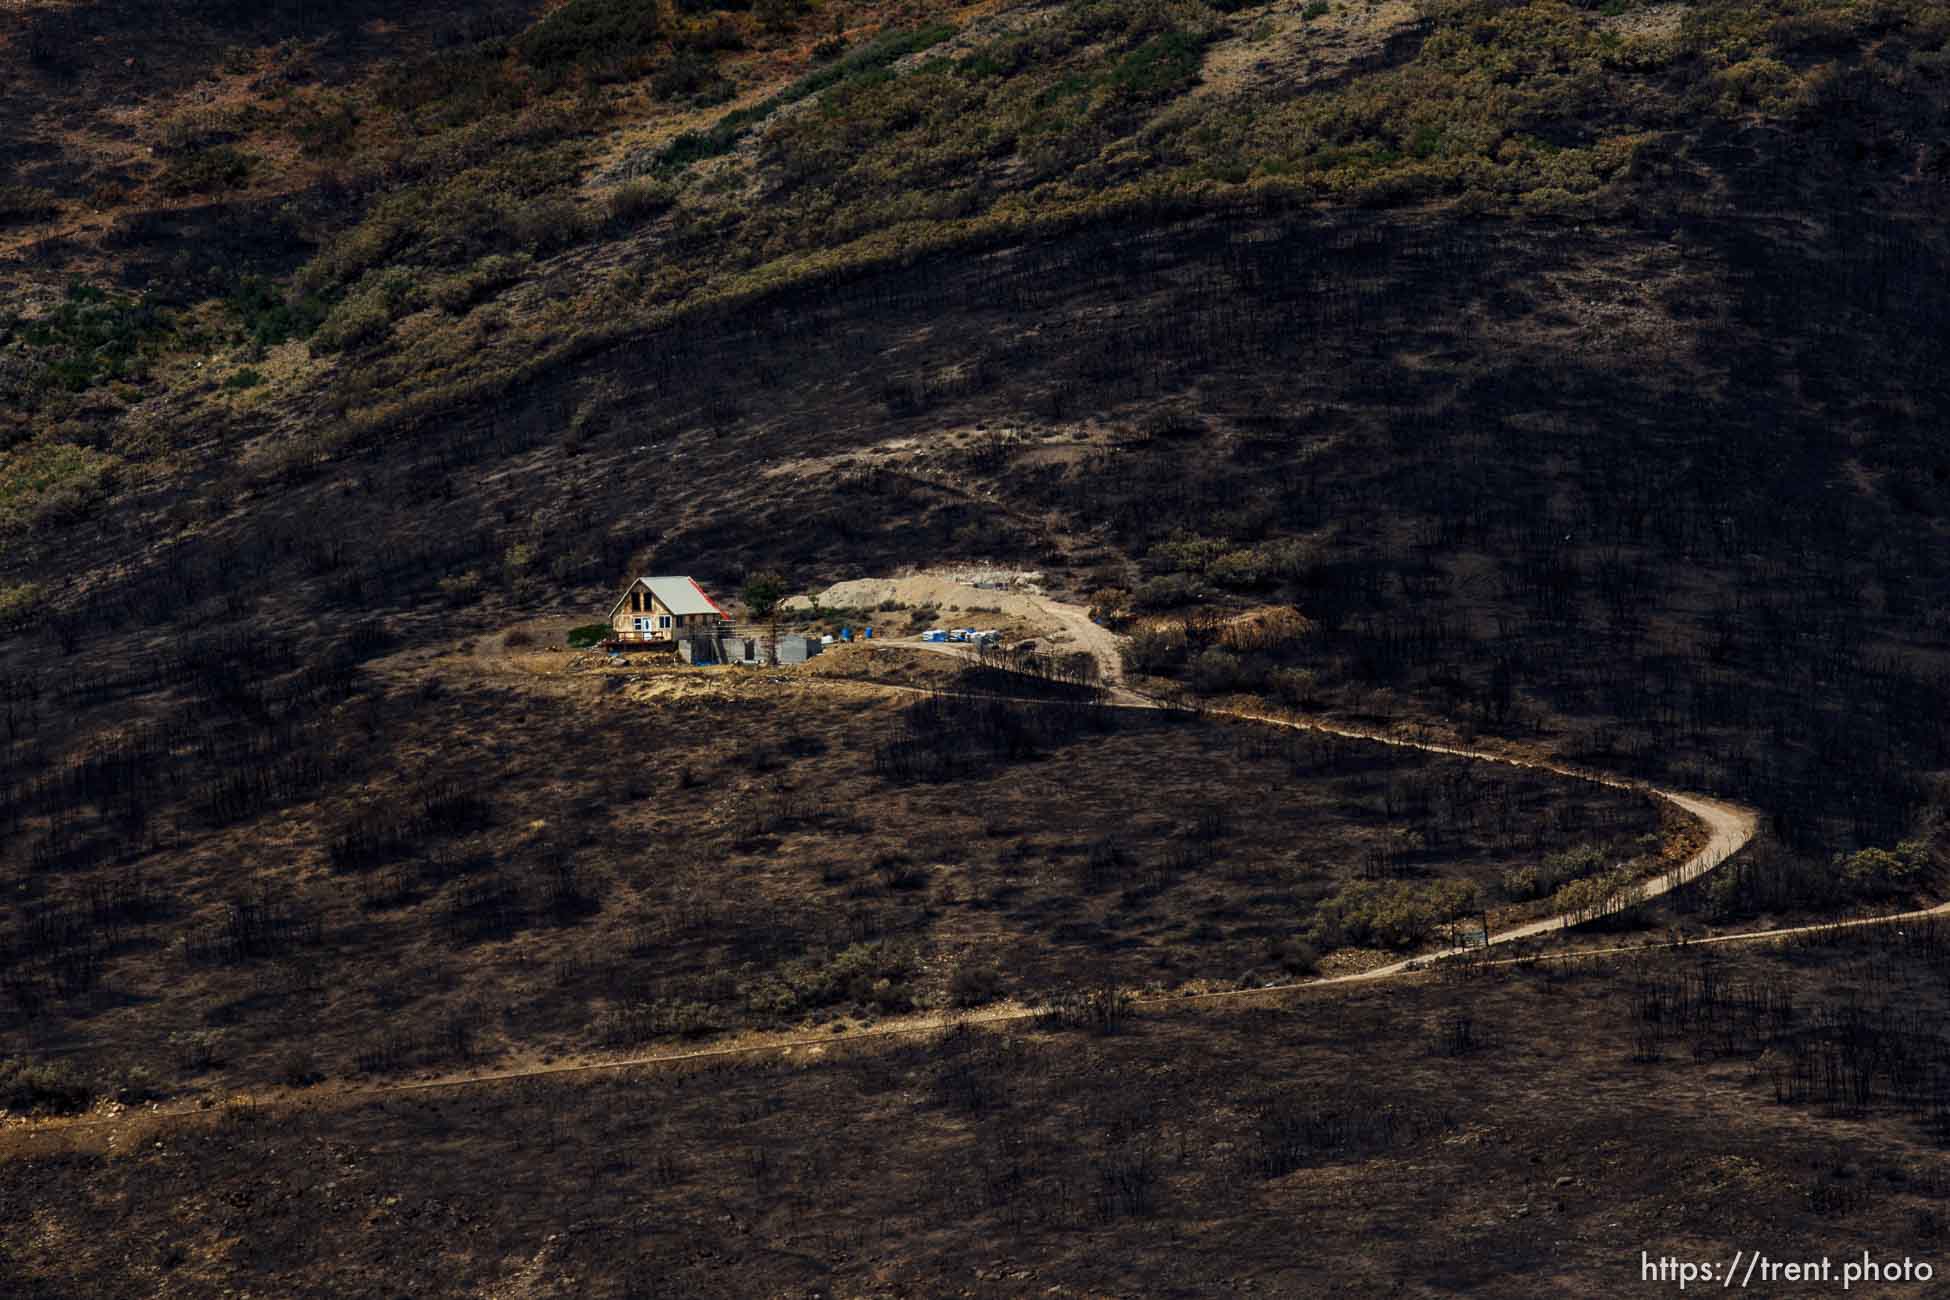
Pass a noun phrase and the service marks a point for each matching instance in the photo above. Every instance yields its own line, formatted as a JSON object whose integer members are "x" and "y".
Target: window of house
{"x": 663, "y": 620}
{"x": 642, "y": 624}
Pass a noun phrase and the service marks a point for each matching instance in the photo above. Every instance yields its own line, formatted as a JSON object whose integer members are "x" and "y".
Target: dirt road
{"x": 1730, "y": 826}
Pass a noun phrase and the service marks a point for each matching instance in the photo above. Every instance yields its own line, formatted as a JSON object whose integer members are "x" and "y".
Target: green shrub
{"x": 267, "y": 317}
{"x": 1154, "y": 652}
{"x": 1754, "y": 82}
{"x": 581, "y": 638}
{"x": 1167, "y": 591}
{"x": 1294, "y": 956}
{"x": 1182, "y": 553}
{"x": 974, "y": 986}
{"x": 197, "y": 1050}
{"x": 546, "y": 225}
{"x": 458, "y": 217}
{"x": 462, "y": 588}
{"x": 92, "y": 337}
{"x": 1596, "y": 895}
{"x": 199, "y": 128}
{"x": 1879, "y": 872}
{"x": 52, "y": 482}
{"x": 1295, "y": 688}
{"x": 640, "y": 200}
{"x": 1404, "y": 920}
{"x": 871, "y": 974}
{"x": 1388, "y": 914}
{"x": 25, "y": 203}
{"x": 1163, "y": 65}
{"x": 691, "y": 74}
{"x": 245, "y": 378}
{"x": 298, "y": 1067}
{"x": 869, "y": 60}
{"x": 43, "y": 1087}
{"x": 207, "y": 171}
{"x": 778, "y": 16}
{"x": 1521, "y": 884}
{"x": 582, "y": 30}
{"x": 133, "y": 1085}
{"x": 1219, "y": 672}
{"x": 487, "y": 277}
{"x": 721, "y": 33}
{"x": 454, "y": 89}
{"x": 20, "y": 605}
{"x": 1249, "y": 569}
{"x": 326, "y": 132}
{"x": 362, "y": 318}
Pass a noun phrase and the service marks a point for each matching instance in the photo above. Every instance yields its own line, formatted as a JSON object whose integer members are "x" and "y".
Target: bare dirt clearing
{"x": 958, "y": 601}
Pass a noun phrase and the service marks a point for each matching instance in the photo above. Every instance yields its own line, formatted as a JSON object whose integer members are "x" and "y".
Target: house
{"x": 659, "y": 612}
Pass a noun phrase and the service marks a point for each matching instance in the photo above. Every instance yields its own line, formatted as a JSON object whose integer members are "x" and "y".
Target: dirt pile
{"x": 949, "y": 592}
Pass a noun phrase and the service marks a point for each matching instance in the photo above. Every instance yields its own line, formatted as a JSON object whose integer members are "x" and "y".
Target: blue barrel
{"x": 846, "y": 634}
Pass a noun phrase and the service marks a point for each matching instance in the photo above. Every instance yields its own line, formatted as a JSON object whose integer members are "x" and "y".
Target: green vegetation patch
{"x": 43, "y": 1087}
{"x": 41, "y": 480}
{"x": 512, "y": 204}
{"x": 1163, "y": 65}
{"x": 1536, "y": 110}
{"x": 456, "y": 88}
{"x": 1389, "y": 914}
{"x": 869, "y": 974}
{"x": 267, "y": 316}
{"x": 92, "y": 337}
{"x": 581, "y": 638}
{"x": 20, "y": 605}
{"x": 870, "y": 60}
{"x": 584, "y": 30}
{"x": 26, "y": 203}
{"x": 479, "y": 282}
{"x": 215, "y": 170}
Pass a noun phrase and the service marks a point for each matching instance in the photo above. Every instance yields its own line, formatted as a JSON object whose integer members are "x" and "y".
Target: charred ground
{"x": 1577, "y": 374}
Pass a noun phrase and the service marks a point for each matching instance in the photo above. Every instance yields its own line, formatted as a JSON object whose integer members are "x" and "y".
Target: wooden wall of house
{"x": 624, "y": 620}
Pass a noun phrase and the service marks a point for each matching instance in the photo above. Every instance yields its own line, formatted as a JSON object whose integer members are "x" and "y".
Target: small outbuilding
{"x": 796, "y": 649}
{"x": 733, "y": 645}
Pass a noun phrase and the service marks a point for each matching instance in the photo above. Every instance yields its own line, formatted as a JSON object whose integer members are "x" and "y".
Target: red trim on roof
{"x": 707, "y": 599}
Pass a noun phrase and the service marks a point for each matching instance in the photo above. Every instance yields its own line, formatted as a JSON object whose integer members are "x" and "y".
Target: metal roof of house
{"x": 681, "y": 595}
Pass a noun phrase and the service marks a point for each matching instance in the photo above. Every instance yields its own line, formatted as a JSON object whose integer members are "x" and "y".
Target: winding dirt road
{"x": 1730, "y": 828}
